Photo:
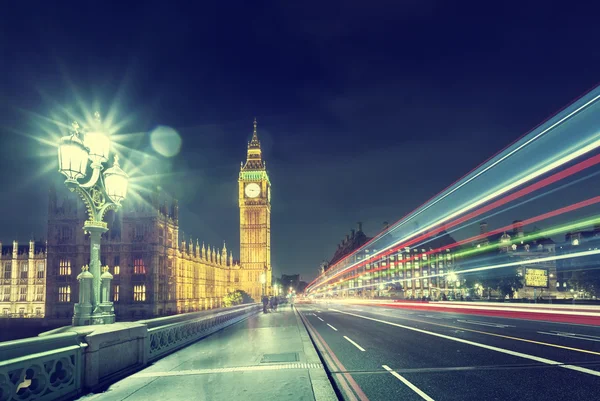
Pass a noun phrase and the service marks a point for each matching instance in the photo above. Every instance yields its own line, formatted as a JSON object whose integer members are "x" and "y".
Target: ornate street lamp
{"x": 100, "y": 194}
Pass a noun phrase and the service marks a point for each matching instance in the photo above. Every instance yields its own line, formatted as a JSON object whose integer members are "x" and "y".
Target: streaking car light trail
{"x": 530, "y": 237}
{"x": 496, "y": 177}
{"x": 501, "y": 156}
{"x": 500, "y": 202}
{"x": 525, "y": 222}
{"x": 483, "y": 268}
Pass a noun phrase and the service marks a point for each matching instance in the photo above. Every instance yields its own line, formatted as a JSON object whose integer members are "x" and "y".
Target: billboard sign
{"x": 536, "y": 278}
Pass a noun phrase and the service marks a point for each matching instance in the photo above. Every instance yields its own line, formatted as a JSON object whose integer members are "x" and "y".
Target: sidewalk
{"x": 266, "y": 357}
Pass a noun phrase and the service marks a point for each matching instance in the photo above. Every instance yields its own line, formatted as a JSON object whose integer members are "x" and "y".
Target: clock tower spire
{"x": 255, "y": 221}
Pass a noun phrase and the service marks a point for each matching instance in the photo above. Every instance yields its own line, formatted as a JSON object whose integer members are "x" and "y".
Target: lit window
{"x": 139, "y": 293}
{"x": 40, "y": 270}
{"x": 575, "y": 242}
{"x": 116, "y": 292}
{"x": 64, "y": 293}
{"x": 24, "y": 269}
{"x": 117, "y": 270}
{"x": 64, "y": 268}
{"x": 138, "y": 266}
{"x": 39, "y": 293}
{"x": 7, "y": 270}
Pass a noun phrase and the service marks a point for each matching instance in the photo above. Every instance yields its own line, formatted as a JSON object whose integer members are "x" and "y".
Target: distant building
{"x": 352, "y": 242}
{"x": 23, "y": 280}
{"x": 410, "y": 272}
{"x": 522, "y": 250}
{"x": 578, "y": 241}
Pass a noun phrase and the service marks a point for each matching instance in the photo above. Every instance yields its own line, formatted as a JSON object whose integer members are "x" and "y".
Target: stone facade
{"x": 23, "y": 280}
{"x": 155, "y": 272}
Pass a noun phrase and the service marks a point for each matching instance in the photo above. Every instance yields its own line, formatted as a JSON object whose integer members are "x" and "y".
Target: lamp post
{"x": 103, "y": 192}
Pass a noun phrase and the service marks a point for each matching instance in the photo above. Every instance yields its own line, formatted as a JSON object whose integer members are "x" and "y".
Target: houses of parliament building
{"x": 155, "y": 271}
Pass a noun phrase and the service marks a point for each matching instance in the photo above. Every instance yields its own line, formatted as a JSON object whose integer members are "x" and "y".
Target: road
{"x": 379, "y": 353}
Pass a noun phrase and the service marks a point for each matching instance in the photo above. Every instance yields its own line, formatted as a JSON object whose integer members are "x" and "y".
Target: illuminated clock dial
{"x": 252, "y": 190}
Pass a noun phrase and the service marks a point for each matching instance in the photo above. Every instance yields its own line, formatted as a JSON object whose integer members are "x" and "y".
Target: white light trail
{"x": 483, "y": 268}
{"x": 503, "y": 189}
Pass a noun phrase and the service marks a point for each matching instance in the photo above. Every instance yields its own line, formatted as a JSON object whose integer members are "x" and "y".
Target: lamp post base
{"x": 82, "y": 315}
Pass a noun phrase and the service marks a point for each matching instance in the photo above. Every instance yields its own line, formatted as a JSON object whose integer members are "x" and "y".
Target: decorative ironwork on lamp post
{"x": 103, "y": 192}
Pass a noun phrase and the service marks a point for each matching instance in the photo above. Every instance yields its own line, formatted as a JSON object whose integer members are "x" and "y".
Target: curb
{"x": 321, "y": 385}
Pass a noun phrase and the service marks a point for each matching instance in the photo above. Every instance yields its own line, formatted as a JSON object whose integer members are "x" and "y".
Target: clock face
{"x": 252, "y": 190}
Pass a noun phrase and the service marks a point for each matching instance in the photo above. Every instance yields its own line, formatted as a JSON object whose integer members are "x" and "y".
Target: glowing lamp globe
{"x": 116, "y": 182}
{"x": 72, "y": 157}
{"x": 99, "y": 145}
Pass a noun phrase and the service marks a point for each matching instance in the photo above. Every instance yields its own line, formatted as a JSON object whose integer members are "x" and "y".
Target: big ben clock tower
{"x": 255, "y": 222}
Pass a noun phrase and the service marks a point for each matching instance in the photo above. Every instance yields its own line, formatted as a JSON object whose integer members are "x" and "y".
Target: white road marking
{"x": 473, "y": 343}
{"x": 572, "y": 335}
{"x": 432, "y": 317}
{"x": 320, "y": 318}
{"x": 409, "y": 384}
{"x": 489, "y": 324}
{"x": 331, "y": 326}
{"x": 360, "y": 310}
{"x": 355, "y": 344}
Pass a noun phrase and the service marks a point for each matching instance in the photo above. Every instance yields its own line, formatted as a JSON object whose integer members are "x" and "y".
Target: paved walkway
{"x": 263, "y": 358}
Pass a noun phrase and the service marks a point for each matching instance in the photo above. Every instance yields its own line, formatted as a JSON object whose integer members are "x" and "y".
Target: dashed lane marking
{"x": 485, "y": 346}
{"x": 409, "y": 384}
{"x": 355, "y": 344}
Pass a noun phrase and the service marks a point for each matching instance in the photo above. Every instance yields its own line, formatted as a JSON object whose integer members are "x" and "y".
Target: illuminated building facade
{"x": 255, "y": 222}
{"x": 23, "y": 280}
{"x": 523, "y": 250}
{"x": 404, "y": 273}
{"x": 155, "y": 272}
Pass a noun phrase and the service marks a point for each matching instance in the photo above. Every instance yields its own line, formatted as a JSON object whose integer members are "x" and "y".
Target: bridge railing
{"x": 68, "y": 362}
{"x": 171, "y": 333}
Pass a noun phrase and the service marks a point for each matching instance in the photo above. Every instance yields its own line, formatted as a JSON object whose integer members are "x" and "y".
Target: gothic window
{"x": 117, "y": 270}
{"x": 116, "y": 293}
{"x": 139, "y": 293}
{"x": 24, "y": 269}
{"x": 138, "y": 266}
{"x": 64, "y": 268}
{"x": 39, "y": 293}
{"x": 7, "y": 270}
{"x": 40, "y": 270}
{"x": 64, "y": 293}
{"x": 117, "y": 260}
{"x": 6, "y": 295}
{"x": 66, "y": 233}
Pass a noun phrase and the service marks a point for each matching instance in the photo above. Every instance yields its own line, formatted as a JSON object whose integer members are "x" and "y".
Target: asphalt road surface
{"x": 379, "y": 353}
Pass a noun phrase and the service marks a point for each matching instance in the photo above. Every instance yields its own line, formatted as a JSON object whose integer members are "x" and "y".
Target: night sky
{"x": 365, "y": 109}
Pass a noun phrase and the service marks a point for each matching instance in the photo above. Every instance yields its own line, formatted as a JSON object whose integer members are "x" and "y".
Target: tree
{"x": 232, "y": 299}
{"x": 246, "y": 299}
{"x": 237, "y": 297}
{"x": 586, "y": 280}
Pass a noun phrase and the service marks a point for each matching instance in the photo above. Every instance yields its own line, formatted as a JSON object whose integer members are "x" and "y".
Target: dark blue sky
{"x": 365, "y": 109}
